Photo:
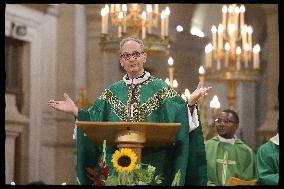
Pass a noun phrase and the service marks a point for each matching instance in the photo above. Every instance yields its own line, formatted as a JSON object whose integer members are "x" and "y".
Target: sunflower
{"x": 124, "y": 160}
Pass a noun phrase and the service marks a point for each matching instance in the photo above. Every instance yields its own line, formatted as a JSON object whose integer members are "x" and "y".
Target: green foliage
{"x": 143, "y": 174}
{"x": 176, "y": 179}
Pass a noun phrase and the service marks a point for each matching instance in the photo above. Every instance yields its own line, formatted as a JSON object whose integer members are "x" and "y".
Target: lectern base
{"x": 136, "y": 147}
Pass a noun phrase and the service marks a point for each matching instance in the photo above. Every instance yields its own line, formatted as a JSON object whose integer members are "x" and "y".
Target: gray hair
{"x": 140, "y": 42}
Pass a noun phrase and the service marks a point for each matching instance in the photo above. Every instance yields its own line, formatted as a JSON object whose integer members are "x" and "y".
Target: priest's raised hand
{"x": 67, "y": 105}
{"x": 197, "y": 94}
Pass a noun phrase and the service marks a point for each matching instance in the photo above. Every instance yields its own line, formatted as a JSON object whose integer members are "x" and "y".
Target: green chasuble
{"x": 197, "y": 164}
{"x": 154, "y": 101}
{"x": 267, "y": 161}
{"x": 226, "y": 160}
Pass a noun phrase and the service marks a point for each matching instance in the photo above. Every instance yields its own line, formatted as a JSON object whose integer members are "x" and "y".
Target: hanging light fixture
{"x": 135, "y": 20}
{"x": 231, "y": 57}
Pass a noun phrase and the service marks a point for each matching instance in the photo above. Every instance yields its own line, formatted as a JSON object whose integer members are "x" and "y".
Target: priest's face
{"x": 132, "y": 59}
{"x": 226, "y": 125}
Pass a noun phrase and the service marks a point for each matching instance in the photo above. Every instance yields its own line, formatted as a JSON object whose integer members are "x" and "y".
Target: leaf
{"x": 99, "y": 182}
{"x": 92, "y": 172}
{"x": 176, "y": 178}
{"x": 104, "y": 172}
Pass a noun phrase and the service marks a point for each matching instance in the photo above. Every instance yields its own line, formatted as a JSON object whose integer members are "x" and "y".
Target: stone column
{"x": 267, "y": 129}
{"x": 80, "y": 48}
{"x": 246, "y": 110}
{"x": 14, "y": 125}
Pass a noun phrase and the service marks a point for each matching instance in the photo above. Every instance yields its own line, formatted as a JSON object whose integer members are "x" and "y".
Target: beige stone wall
{"x": 64, "y": 145}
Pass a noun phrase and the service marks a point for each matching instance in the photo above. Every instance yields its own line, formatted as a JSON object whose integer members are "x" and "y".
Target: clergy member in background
{"x": 227, "y": 156}
{"x": 267, "y": 161}
{"x": 141, "y": 97}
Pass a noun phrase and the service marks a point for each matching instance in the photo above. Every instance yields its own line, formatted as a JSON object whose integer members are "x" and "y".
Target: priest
{"x": 141, "y": 97}
{"x": 227, "y": 155}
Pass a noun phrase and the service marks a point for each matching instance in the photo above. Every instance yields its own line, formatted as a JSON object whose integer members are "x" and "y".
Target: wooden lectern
{"x": 133, "y": 135}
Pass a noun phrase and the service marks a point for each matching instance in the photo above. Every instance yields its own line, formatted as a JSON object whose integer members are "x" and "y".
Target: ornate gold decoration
{"x": 83, "y": 101}
{"x": 132, "y": 20}
{"x": 235, "y": 60}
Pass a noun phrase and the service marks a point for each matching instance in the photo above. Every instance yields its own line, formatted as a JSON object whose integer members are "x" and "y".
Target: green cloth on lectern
{"x": 157, "y": 102}
{"x": 267, "y": 161}
{"x": 229, "y": 160}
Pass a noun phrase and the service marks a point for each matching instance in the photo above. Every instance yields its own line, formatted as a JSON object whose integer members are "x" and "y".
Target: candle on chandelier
{"x": 187, "y": 93}
{"x": 220, "y": 36}
{"x": 103, "y": 14}
{"x": 134, "y": 7}
{"x": 244, "y": 36}
{"x": 249, "y": 29}
{"x": 119, "y": 29}
{"x": 171, "y": 61}
{"x": 237, "y": 12}
{"x": 215, "y": 106}
{"x": 230, "y": 16}
{"x": 246, "y": 54}
{"x": 231, "y": 29}
{"x": 208, "y": 56}
{"x": 143, "y": 24}
{"x": 156, "y": 8}
{"x": 106, "y": 18}
{"x": 156, "y": 12}
{"x": 175, "y": 83}
{"x": 111, "y": 8}
{"x": 124, "y": 10}
{"x": 167, "y": 12}
{"x": 256, "y": 50}
{"x": 117, "y": 7}
{"x": 242, "y": 12}
{"x": 238, "y": 52}
{"x": 149, "y": 17}
{"x": 214, "y": 30}
{"x": 201, "y": 75}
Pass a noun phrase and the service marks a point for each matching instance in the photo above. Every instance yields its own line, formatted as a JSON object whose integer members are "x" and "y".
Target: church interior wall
{"x": 46, "y": 148}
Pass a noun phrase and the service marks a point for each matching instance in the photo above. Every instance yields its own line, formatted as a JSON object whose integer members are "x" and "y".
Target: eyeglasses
{"x": 226, "y": 121}
{"x": 127, "y": 56}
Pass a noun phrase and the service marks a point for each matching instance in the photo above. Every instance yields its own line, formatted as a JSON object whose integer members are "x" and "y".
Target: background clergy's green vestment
{"x": 267, "y": 161}
{"x": 240, "y": 161}
{"x": 156, "y": 102}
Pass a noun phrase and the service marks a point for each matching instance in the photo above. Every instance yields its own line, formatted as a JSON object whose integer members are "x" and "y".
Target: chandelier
{"x": 170, "y": 80}
{"x": 231, "y": 57}
{"x": 138, "y": 21}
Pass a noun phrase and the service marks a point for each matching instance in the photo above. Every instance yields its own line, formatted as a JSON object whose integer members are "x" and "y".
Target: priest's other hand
{"x": 199, "y": 92}
{"x": 67, "y": 105}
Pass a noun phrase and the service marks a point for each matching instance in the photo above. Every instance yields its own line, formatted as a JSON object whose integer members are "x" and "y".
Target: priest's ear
{"x": 119, "y": 61}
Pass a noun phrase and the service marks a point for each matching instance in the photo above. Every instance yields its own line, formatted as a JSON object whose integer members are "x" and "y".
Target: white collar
{"x": 230, "y": 140}
{"x": 275, "y": 139}
{"x": 136, "y": 80}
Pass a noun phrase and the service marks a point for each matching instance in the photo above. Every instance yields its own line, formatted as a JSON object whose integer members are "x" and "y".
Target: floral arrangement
{"x": 126, "y": 171}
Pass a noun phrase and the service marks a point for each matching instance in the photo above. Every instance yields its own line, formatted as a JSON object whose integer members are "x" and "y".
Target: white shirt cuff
{"x": 193, "y": 119}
